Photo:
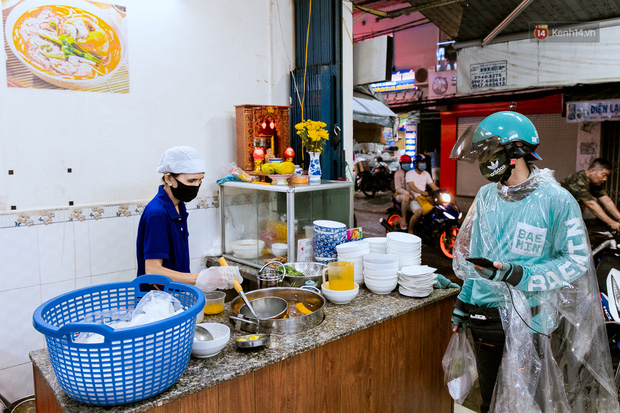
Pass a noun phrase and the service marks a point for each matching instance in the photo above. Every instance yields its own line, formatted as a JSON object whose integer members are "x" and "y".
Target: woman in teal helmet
{"x": 534, "y": 313}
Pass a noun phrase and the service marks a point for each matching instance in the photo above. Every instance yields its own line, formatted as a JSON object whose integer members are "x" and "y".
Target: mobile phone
{"x": 481, "y": 262}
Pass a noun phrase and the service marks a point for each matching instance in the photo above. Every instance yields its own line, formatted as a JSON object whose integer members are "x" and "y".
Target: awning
{"x": 368, "y": 109}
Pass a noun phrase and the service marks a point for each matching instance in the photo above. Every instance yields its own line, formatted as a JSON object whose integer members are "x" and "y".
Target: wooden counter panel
{"x": 45, "y": 401}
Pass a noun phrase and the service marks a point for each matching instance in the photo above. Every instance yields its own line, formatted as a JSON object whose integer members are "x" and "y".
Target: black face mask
{"x": 497, "y": 168}
{"x": 184, "y": 192}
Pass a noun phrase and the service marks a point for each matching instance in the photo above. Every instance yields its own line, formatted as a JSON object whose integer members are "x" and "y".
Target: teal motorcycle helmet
{"x": 510, "y": 130}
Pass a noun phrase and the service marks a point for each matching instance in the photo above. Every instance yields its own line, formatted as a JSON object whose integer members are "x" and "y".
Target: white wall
{"x": 537, "y": 64}
{"x": 190, "y": 62}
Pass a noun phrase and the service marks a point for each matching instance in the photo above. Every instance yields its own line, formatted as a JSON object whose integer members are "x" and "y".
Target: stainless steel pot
{"x": 311, "y": 270}
{"x": 296, "y": 320}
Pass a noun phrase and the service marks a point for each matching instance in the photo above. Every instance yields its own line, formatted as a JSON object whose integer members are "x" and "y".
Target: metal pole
{"x": 516, "y": 12}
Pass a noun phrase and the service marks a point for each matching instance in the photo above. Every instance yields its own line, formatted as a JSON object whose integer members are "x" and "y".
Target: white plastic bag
{"x": 459, "y": 366}
{"x": 154, "y": 306}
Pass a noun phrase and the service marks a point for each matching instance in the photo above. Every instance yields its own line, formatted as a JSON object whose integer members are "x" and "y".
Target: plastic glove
{"x": 213, "y": 278}
{"x": 459, "y": 319}
{"x": 512, "y": 274}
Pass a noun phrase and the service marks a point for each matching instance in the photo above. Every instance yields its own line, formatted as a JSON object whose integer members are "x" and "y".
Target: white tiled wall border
{"x": 85, "y": 213}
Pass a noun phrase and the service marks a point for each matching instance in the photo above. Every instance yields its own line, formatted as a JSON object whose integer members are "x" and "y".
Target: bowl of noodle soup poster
{"x": 66, "y": 44}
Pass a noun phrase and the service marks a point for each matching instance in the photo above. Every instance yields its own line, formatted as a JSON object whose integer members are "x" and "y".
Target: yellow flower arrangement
{"x": 312, "y": 134}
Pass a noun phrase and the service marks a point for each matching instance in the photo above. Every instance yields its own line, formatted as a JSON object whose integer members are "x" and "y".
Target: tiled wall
{"x": 46, "y": 253}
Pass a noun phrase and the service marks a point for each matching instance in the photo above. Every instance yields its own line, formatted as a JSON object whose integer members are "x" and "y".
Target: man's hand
{"x": 615, "y": 226}
{"x": 512, "y": 274}
{"x": 213, "y": 278}
{"x": 459, "y": 321}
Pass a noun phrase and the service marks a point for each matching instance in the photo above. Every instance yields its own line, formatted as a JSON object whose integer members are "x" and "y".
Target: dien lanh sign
{"x": 592, "y": 111}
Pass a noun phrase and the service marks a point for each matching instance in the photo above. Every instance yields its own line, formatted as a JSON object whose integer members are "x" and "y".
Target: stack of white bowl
{"x": 377, "y": 245}
{"x": 416, "y": 280}
{"x": 408, "y": 247}
{"x": 353, "y": 251}
{"x": 327, "y": 235}
{"x": 381, "y": 272}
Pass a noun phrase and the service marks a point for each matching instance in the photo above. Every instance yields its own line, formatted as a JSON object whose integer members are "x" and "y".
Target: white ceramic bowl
{"x": 380, "y": 287}
{"x": 279, "y": 249}
{"x": 248, "y": 248}
{"x": 338, "y": 296}
{"x": 353, "y": 247}
{"x": 221, "y": 335}
{"x": 386, "y": 273}
{"x": 66, "y": 81}
{"x": 402, "y": 238}
{"x": 380, "y": 258}
{"x": 382, "y": 280}
{"x": 381, "y": 266}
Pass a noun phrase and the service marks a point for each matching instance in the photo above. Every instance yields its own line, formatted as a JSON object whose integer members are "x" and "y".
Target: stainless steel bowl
{"x": 311, "y": 271}
{"x": 266, "y": 308}
{"x": 295, "y": 322}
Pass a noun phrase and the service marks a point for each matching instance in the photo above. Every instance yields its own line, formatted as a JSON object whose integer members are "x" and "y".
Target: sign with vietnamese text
{"x": 592, "y": 111}
{"x": 488, "y": 75}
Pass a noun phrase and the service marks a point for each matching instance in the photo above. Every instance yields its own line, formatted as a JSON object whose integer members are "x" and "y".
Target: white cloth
{"x": 420, "y": 180}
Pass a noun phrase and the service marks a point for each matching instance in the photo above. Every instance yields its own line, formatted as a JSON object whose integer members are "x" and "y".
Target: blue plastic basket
{"x": 131, "y": 364}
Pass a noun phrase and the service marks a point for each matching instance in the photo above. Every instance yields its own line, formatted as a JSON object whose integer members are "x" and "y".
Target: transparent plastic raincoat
{"x": 556, "y": 356}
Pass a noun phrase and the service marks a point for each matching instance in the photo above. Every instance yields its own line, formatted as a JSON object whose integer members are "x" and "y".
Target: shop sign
{"x": 593, "y": 110}
{"x": 401, "y": 80}
{"x": 488, "y": 75}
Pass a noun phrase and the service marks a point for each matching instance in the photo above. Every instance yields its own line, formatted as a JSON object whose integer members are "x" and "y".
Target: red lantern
{"x": 289, "y": 154}
{"x": 258, "y": 153}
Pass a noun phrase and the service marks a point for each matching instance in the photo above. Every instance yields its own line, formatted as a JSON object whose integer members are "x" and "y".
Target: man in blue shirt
{"x": 162, "y": 246}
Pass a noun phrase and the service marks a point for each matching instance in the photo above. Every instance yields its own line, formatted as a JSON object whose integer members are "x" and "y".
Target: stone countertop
{"x": 366, "y": 310}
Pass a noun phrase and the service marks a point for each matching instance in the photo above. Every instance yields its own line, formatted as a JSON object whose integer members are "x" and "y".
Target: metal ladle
{"x": 202, "y": 334}
{"x": 245, "y": 299}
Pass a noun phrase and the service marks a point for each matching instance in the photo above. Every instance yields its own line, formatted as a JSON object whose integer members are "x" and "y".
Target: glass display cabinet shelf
{"x": 254, "y": 217}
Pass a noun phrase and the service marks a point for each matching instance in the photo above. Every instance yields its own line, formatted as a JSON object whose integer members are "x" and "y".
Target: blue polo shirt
{"x": 162, "y": 234}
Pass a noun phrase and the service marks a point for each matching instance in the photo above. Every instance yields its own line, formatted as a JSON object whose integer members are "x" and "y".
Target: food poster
{"x": 66, "y": 44}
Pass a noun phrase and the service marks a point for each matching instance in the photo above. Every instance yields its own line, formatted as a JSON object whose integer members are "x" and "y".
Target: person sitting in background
{"x": 162, "y": 245}
{"x": 403, "y": 194}
{"x": 434, "y": 156}
{"x": 417, "y": 180}
{"x": 588, "y": 189}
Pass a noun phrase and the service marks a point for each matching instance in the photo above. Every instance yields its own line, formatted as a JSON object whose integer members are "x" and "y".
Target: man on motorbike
{"x": 534, "y": 309}
{"x": 588, "y": 189}
{"x": 403, "y": 194}
{"x": 417, "y": 180}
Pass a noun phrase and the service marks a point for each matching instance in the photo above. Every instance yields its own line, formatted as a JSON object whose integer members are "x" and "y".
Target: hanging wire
{"x": 303, "y": 99}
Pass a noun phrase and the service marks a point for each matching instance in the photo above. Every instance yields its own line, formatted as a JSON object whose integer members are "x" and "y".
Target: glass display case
{"x": 254, "y": 217}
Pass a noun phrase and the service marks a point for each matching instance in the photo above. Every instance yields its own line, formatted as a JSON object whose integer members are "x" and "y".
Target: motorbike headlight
{"x": 448, "y": 215}
{"x": 446, "y": 198}
{"x": 460, "y": 215}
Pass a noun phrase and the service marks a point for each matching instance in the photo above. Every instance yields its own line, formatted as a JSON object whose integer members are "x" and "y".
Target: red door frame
{"x": 547, "y": 104}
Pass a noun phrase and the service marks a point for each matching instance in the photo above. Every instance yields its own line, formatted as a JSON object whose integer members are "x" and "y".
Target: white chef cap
{"x": 182, "y": 160}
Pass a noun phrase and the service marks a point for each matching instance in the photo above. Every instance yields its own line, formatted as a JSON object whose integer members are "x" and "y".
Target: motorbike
{"x": 439, "y": 227}
{"x": 377, "y": 180}
{"x": 606, "y": 258}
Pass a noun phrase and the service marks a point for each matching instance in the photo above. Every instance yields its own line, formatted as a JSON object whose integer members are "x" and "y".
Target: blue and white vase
{"x": 314, "y": 169}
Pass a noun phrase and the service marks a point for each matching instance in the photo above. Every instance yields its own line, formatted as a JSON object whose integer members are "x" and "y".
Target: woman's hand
{"x": 218, "y": 278}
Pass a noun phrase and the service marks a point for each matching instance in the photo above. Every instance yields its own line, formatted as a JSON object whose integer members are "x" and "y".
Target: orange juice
{"x": 340, "y": 276}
